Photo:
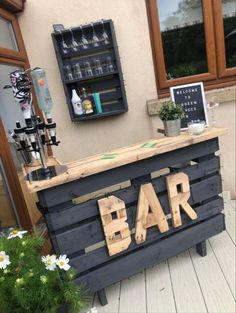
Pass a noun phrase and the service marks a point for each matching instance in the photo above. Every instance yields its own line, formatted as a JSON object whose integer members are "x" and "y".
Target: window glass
{"x": 8, "y": 217}
{"x": 10, "y": 111}
{"x": 7, "y": 35}
{"x": 183, "y": 37}
{"x": 229, "y": 20}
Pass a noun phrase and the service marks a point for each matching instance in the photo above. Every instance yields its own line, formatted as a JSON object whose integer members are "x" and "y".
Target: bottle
{"x": 77, "y": 103}
{"x": 42, "y": 92}
{"x": 86, "y": 103}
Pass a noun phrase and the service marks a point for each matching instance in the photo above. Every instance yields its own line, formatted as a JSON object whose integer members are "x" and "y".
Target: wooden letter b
{"x": 117, "y": 227}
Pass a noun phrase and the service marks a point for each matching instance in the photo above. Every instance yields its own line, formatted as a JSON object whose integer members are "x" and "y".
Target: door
{"x": 13, "y": 208}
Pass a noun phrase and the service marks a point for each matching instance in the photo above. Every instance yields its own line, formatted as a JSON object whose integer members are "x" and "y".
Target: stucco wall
{"x": 130, "y": 19}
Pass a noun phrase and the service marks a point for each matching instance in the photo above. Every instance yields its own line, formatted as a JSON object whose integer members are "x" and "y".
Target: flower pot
{"x": 172, "y": 128}
{"x": 63, "y": 309}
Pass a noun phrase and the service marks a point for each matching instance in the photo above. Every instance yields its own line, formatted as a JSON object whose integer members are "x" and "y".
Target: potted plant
{"x": 31, "y": 283}
{"x": 171, "y": 113}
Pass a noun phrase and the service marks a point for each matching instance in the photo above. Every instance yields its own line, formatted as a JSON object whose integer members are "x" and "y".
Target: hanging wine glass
{"x": 77, "y": 71}
{"x": 74, "y": 44}
{"x": 87, "y": 69}
{"x": 95, "y": 39}
{"x": 84, "y": 41}
{"x": 109, "y": 65}
{"x": 98, "y": 67}
{"x": 105, "y": 36}
{"x": 68, "y": 72}
{"x": 64, "y": 46}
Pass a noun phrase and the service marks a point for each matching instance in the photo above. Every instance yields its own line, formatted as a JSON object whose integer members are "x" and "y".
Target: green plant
{"x": 170, "y": 111}
{"x": 30, "y": 283}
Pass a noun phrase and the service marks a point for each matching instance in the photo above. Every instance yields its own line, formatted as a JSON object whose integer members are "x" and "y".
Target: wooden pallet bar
{"x": 170, "y": 202}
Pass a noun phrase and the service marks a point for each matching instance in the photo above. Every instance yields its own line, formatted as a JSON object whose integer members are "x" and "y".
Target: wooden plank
{"x": 179, "y": 199}
{"x": 155, "y": 207}
{"x": 224, "y": 250}
{"x": 133, "y": 295}
{"x": 141, "y": 218}
{"x": 113, "y": 296}
{"x": 217, "y": 294}
{"x": 87, "y": 234}
{"x": 188, "y": 296}
{"x": 100, "y": 255}
{"x": 163, "y": 145}
{"x": 63, "y": 216}
{"x": 111, "y": 226}
{"x": 160, "y": 297}
{"x": 155, "y": 253}
{"x": 230, "y": 220}
{"x": 59, "y": 194}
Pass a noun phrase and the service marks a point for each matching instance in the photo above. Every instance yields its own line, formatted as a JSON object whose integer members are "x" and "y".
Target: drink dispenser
{"x": 37, "y": 135}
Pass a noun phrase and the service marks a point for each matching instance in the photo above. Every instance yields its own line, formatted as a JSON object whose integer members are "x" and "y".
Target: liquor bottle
{"x": 86, "y": 103}
{"x": 77, "y": 103}
{"x": 42, "y": 91}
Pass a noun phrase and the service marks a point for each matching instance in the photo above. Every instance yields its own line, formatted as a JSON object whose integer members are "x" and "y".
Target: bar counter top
{"x": 126, "y": 155}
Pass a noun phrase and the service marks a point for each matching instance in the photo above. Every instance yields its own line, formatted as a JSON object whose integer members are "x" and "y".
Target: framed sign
{"x": 192, "y": 99}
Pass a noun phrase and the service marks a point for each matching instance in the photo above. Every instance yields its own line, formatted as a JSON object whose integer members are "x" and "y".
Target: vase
{"x": 172, "y": 128}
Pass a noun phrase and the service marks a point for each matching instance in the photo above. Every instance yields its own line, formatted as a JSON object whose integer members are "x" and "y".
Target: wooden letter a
{"x": 112, "y": 227}
{"x": 144, "y": 219}
{"x": 178, "y": 199}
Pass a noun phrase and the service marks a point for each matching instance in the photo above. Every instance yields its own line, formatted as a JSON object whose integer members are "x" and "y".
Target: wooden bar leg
{"x": 201, "y": 248}
{"x": 102, "y": 297}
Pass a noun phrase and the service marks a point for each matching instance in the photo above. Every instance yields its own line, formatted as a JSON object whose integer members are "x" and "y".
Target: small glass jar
{"x": 196, "y": 128}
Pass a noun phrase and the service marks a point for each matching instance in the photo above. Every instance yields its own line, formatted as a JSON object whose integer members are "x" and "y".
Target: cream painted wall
{"x": 129, "y": 16}
{"x": 130, "y": 20}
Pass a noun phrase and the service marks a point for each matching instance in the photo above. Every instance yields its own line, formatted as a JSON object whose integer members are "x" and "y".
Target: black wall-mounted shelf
{"x": 107, "y": 81}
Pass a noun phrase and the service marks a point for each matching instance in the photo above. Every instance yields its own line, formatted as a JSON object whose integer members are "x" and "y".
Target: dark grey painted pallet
{"x": 67, "y": 216}
{"x": 90, "y": 233}
{"x": 99, "y": 256}
{"x": 66, "y": 192}
{"x": 148, "y": 256}
{"x": 74, "y": 228}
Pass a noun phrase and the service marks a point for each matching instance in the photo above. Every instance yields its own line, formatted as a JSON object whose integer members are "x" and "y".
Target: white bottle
{"x": 77, "y": 103}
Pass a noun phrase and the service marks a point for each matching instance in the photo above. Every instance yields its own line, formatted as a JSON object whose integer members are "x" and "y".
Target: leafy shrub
{"x": 30, "y": 283}
{"x": 170, "y": 111}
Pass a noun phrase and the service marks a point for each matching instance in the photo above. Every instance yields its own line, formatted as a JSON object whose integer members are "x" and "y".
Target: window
{"x": 193, "y": 40}
{"x": 12, "y": 48}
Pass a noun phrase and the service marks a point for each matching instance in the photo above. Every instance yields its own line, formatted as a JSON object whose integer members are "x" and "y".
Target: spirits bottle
{"x": 87, "y": 103}
{"x": 77, "y": 103}
{"x": 42, "y": 91}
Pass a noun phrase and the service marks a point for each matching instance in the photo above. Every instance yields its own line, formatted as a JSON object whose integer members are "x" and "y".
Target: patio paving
{"x": 186, "y": 283}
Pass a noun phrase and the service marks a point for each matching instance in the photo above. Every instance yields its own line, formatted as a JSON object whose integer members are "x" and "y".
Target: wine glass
{"x": 68, "y": 72}
{"x": 74, "y": 44}
{"x": 88, "y": 69}
{"x": 109, "y": 65}
{"x": 84, "y": 41}
{"x": 105, "y": 36}
{"x": 64, "y": 46}
{"x": 77, "y": 71}
{"x": 212, "y": 104}
{"x": 95, "y": 39}
{"x": 98, "y": 67}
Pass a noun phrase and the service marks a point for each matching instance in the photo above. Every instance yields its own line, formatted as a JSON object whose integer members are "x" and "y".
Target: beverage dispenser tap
{"x": 32, "y": 139}
{"x": 41, "y": 130}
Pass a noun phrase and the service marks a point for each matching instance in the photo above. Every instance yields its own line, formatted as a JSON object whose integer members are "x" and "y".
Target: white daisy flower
{"x": 62, "y": 262}
{"x": 4, "y": 260}
{"x": 16, "y": 233}
{"x": 50, "y": 262}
